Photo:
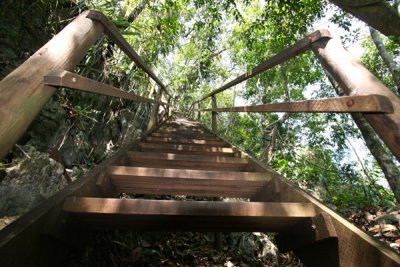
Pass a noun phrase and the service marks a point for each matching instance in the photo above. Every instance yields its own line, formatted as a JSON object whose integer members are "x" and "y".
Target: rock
{"x": 249, "y": 244}
{"x": 29, "y": 183}
{"x": 50, "y": 126}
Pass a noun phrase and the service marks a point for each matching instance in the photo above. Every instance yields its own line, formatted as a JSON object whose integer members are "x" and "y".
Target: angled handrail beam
{"x": 63, "y": 78}
{"x": 355, "y": 79}
{"x": 358, "y": 103}
{"x": 22, "y": 94}
{"x": 290, "y": 52}
{"x": 114, "y": 35}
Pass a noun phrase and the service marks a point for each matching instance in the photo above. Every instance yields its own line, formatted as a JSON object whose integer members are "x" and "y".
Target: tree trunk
{"x": 153, "y": 120}
{"x": 269, "y": 147}
{"x": 138, "y": 9}
{"x": 376, "y": 13}
{"x": 387, "y": 59}
{"x": 382, "y": 156}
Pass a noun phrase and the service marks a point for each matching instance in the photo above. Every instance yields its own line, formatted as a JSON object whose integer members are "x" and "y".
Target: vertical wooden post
{"x": 169, "y": 107}
{"x": 355, "y": 79}
{"x": 154, "y": 111}
{"x": 22, "y": 92}
{"x": 198, "y": 111}
{"x": 218, "y": 238}
{"x": 214, "y": 114}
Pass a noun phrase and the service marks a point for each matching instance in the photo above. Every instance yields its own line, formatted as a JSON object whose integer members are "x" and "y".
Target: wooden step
{"x": 186, "y": 135}
{"x": 186, "y": 149}
{"x": 169, "y": 215}
{"x": 192, "y": 162}
{"x": 159, "y": 139}
{"x": 183, "y": 129}
{"x": 159, "y": 181}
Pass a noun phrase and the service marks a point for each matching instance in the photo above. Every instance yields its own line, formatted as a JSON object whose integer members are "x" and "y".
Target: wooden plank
{"x": 22, "y": 93}
{"x": 191, "y": 129}
{"x": 159, "y": 139}
{"x": 314, "y": 241}
{"x": 105, "y": 185}
{"x": 355, "y": 79}
{"x": 214, "y": 114}
{"x": 185, "y": 135}
{"x": 63, "y": 78}
{"x": 186, "y": 182}
{"x": 122, "y": 171}
{"x": 187, "y": 186}
{"x": 359, "y": 103}
{"x": 186, "y": 149}
{"x": 168, "y": 215}
{"x": 307, "y": 232}
{"x": 192, "y": 162}
{"x": 114, "y": 35}
{"x": 290, "y": 52}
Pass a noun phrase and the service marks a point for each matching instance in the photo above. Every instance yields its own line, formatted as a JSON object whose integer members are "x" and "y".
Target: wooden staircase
{"x": 183, "y": 158}
{"x": 193, "y": 163}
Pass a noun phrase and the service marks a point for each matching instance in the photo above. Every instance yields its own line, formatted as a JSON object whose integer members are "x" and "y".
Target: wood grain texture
{"x": 22, "y": 92}
{"x": 186, "y": 149}
{"x": 185, "y": 135}
{"x": 359, "y": 103}
{"x": 194, "y": 215}
{"x": 191, "y": 162}
{"x": 123, "y": 171}
{"x": 63, "y": 78}
{"x": 193, "y": 141}
{"x": 355, "y": 79}
{"x": 191, "y": 182}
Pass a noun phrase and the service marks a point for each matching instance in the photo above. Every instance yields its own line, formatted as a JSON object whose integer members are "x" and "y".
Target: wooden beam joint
{"x": 63, "y": 78}
{"x": 114, "y": 35}
{"x": 307, "y": 232}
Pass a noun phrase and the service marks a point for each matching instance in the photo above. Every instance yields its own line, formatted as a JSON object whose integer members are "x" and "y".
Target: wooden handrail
{"x": 355, "y": 79}
{"x": 290, "y": 52}
{"x": 359, "y": 103}
{"x": 63, "y": 78}
{"x": 22, "y": 94}
{"x": 114, "y": 35}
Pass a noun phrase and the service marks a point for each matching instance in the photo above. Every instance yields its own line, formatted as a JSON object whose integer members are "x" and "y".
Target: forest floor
{"x": 381, "y": 223}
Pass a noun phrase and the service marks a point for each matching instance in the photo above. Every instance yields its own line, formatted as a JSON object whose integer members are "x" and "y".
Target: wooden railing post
{"x": 169, "y": 107}
{"x": 22, "y": 92}
{"x": 154, "y": 111}
{"x": 198, "y": 111}
{"x": 355, "y": 79}
{"x": 214, "y": 114}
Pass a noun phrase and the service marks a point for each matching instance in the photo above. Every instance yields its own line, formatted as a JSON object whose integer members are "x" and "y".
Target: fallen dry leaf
{"x": 382, "y": 228}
